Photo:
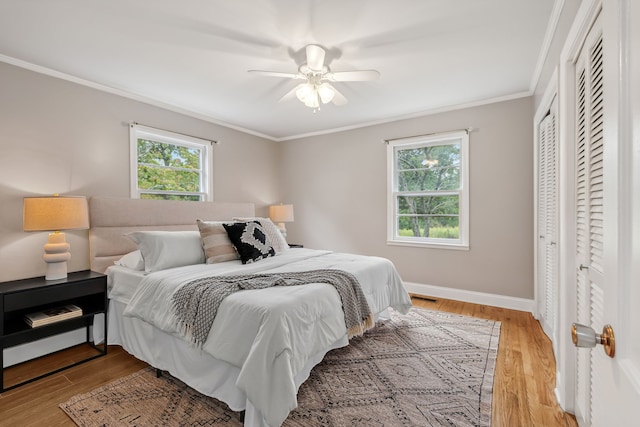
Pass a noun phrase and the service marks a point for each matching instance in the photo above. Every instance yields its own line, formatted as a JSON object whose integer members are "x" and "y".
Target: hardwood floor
{"x": 522, "y": 392}
{"x": 525, "y": 368}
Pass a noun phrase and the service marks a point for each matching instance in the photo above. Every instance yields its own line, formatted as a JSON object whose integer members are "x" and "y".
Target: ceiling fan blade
{"x": 354, "y": 76}
{"x": 315, "y": 57}
{"x": 338, "y": 98}
{"x": 277, "y": 74}
{"x": 291, "y": 94}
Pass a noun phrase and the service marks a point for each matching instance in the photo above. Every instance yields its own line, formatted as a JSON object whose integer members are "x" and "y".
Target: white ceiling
{"x": 193, "y": 55}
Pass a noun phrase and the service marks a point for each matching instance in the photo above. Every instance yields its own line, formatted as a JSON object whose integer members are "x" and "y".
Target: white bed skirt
{"x": 199, "y": 370}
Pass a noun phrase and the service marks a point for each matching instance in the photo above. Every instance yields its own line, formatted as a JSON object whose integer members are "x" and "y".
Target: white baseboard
{"x": 494, "y": 300}
{"x": 28, "y": 351}
{"x": 558, "y": 395}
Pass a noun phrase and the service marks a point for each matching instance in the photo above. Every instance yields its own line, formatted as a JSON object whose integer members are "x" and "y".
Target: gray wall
{"x": 61, "y": 137}
{"x": 338, "y": 182}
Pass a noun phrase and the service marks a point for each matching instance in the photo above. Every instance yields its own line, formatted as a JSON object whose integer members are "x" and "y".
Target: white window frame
{"x": 137, "y": 131}
{"x": 393, "y": 146}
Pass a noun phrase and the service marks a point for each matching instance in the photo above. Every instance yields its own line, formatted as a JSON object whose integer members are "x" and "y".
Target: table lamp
{"x": 281, "y": 214}
{"x": 55, "y": 213}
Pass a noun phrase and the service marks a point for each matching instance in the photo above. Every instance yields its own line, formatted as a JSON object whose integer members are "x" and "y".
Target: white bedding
{"x": 271, "y": 334}
{"x": 123, "y": 282}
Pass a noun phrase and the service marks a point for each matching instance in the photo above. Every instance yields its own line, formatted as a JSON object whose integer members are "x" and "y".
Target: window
{"x": 428, "y": 197}
{"x": 169, "y": 166}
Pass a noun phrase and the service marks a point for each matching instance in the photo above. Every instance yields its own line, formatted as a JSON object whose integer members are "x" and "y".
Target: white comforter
{"x": 270, "y": 334}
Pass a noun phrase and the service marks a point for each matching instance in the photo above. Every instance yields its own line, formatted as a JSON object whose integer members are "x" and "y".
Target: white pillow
{"x": 132, "y": 260}
{"x": 167, "y": 249}
{"x": 278, "y": 242}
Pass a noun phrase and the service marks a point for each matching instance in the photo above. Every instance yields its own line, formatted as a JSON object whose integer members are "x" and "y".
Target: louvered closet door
{"x": 589, "y": 209}
{"x": 607, "y": 159}
{"x": 541, "y": 219}
{"x": 548, "y": 223}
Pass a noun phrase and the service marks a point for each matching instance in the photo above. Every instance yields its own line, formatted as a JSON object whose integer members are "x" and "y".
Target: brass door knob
{"x": 585, "y": 336}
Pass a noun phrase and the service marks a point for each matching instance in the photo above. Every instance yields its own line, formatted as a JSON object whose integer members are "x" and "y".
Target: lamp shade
{"x": 55, "y": 213}
{"x": 281, "y": 213}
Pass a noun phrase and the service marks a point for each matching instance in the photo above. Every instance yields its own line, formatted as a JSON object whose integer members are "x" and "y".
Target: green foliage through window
{"x": 168, "y": 167}
{"x": 168, "y": 170}
{"x": 432, "y": 169}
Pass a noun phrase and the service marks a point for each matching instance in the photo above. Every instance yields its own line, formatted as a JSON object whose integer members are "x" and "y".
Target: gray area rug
{"x": 426, "y": 368}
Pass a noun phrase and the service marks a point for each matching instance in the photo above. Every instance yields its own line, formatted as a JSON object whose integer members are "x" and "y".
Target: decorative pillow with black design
{"x": 250, "y": 240}
{"x": 272, "y": 231}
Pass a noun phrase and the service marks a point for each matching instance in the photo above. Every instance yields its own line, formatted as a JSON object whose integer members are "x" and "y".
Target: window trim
{"x": 462, "y": 243}
{"x": 137, "y": 131}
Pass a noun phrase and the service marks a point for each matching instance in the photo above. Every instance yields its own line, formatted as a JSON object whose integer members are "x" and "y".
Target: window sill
{"x": 430, "y": 245}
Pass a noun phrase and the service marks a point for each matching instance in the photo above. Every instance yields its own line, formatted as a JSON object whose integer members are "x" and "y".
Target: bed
{"x": 263, "y": 343}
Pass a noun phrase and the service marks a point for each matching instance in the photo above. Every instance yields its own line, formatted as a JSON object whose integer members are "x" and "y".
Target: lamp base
{"x": 56, "y": 270}
{"x": 56, "y": 255}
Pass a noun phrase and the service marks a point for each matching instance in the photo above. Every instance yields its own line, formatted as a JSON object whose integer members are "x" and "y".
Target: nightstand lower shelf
{"x": 85, "y": 289}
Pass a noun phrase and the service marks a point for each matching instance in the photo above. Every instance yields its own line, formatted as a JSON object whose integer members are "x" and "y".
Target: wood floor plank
{"x": 523, "y": 393}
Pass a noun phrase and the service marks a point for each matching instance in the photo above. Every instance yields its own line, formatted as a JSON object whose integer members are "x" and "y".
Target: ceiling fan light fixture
{"x": 312, "y": 101}
{"x": 311, "y": 94}
{"x": 304, "y": 91}
{"x": 326, "y": 93}
{"x": 316, "y": 74}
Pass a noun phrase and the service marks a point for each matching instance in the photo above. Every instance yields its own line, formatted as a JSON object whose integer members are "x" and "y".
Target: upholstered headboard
{"x": 111, "y": 218}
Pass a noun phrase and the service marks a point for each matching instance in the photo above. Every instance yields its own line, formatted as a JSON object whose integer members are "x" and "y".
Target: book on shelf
{"x": 52, "y": 315}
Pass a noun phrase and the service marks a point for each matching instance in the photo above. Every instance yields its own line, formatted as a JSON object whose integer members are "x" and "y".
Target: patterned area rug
{"x": 426, "y": 368}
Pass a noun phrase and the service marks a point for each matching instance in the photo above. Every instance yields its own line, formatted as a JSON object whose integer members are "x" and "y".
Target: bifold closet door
{"x": 548, "y": 222}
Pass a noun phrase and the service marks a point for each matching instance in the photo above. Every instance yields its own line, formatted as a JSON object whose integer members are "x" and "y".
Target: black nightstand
{"x": 86, "y": 289}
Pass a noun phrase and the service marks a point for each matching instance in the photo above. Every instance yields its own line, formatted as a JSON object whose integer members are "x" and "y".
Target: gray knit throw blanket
{"x": 196, "y": 303}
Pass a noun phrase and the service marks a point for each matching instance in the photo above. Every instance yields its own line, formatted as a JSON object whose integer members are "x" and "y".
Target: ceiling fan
{"x": 316, "y": 88}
